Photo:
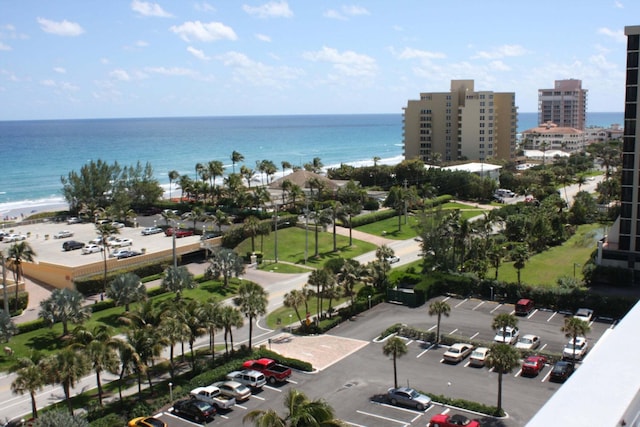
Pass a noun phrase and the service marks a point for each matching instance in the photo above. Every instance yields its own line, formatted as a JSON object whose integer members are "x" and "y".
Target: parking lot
{"x": 355, "y": 380}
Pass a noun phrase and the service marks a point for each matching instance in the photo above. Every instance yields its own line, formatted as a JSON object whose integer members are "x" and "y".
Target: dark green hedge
{"x": 23, "y": 301}
{"x": 372, "y": 217}
{"x": 94, "y": 285}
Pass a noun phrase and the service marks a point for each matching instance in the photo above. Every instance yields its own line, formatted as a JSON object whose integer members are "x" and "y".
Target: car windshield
{"x": 414, "y": 394}
{"x": 526, "y": 340}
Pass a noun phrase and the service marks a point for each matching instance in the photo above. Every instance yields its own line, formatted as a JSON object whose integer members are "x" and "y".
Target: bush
{"x": 372, "y": 217}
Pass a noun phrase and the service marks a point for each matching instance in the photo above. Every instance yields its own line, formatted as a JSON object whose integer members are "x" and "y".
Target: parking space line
{"x": 446, "y": 299}
{"x": 497, "y": 307}
{"x": 169, "y": 414}
{"x": 432, "y": 328}
{"x": 477, "y": 306}
{"x": 428, "y": 348}
{"x": 409, "y": 342}
{"x": 461, "y": 302}
{"x": 383, "y": 418}
{"x": 453, "y": 332}
{"x": 543, "y": 346}
{"x": 258, "y": 397}
{"x": 531, "y": 315}
{"x": 291, "y": 381}
{"x": 273, "y": 388}
{"x": 552, "y": 316}
{"x": 240, "y": 406}
{"x": 518, "y": 373}
{"x": 354, "y": 424}
{"x": 546, "y": 376}
{"x": 474, "y": 335}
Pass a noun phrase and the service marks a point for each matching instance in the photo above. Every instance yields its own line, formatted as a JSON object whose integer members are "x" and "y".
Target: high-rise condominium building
{"x": 564, "y": 105}
{"x": 460, "y": 124}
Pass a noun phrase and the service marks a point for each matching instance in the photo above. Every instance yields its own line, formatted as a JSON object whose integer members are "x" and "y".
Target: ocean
{"x": 35, "y": 154}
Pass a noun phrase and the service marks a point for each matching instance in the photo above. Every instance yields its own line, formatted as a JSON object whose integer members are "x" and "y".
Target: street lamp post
{"x": 171, "y": 391}
{"x": 369, "y": 297}
{"x": 173, "y": 238}
{"x": 276, "y": 235}
{"x": 306, "y": 232}
{"x": 491, "y": 293}
{"x": 290, "y": 324}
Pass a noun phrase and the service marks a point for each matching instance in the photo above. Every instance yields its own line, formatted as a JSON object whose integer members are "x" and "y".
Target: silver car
{"x": 406, "y": 396}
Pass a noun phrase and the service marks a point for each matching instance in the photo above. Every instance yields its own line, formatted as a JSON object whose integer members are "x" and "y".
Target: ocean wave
{"x": 28, "y": 205}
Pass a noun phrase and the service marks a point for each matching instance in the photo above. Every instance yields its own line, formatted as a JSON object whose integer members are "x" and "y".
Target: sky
{"x": 69, "y": 59}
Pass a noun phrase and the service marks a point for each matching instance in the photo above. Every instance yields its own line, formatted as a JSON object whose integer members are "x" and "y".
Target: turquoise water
{"x": 35, "y": 154}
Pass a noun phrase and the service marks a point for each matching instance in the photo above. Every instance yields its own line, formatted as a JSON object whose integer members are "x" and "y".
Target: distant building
{"x": 549, "y": 136}
{"x": 599, "y": 134}
{"x": 565, "y": 104}
{"x": 484, "y": 170}
{"x": 460, "y": 124}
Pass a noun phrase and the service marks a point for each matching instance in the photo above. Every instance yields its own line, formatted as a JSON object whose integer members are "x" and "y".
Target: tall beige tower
{"x": 564, "y": 105}
{"x": 460, "y": 124}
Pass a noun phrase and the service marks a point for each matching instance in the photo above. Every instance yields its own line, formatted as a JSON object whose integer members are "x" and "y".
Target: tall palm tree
{"x": 177, "y": 279}
{"x": 251, "y": 228}
{"x": 190, "y": 314}
{"x": 247, "y": 173}
{"x": 148, "y": 344}
{"x": 394, "y": 347}
{"x": 347, "y": 277}
{"x": 7, "y": 327}
{"x": 226, "y": 263}
{"x": 439, "y": 308}
{"x": 64, "y": 305}
{"x": 520, "y": 256}
{"x": 130, "y": 362}
{"x": 294, "y": 299}
{"x": 215, "y": 168}
{"x": 320, "y": 279}
{"x": 104, "y": 232}
{"x": 285, "y": 165}
{"x": 210, "y": 317}
{"x": 66, "y": 367}
{"x": 574, "y": 328}
{"x": 173, "y": 330}
{"x": 125, "y": 289}
{"x": 29, "y": 379}
{"x": 502, "y": 358}
{"x": 173, "y": 175}
{"x": 252, "y": 301}
{"x": 101, "y": 348}
{"x": 236, "y": 158}
{"x": 199, "y": 168}
{"x": 18, "y": 253}
{"x": 230, "y": 317}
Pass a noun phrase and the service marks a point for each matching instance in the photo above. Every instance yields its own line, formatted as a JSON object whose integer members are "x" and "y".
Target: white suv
{"x": 507, "y": 336}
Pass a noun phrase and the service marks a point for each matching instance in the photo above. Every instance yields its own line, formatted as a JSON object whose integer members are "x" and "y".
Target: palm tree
{"x": 220, "y": 218}
{"x": 295, "y": 299}
{"x": 173, "y": 330}
{"x": 64, "y": 305}
{"x": 230, "y": 317}
{"x": 215, "y": 168}
{"x": 29, "y": 378}
{"x": 66, "y": 367}
{"x": 394, "y": 347}
{"x": 252, "y": 301}
{"x": 320, "y": 218}
{"x": 320, "y": 278}
{"x": 439, "y": 308}
{"x": 503, "y": 321}
{"x": 104, "y": 232}
{"x": 502, "y": 358}
{"x": 7, "y": 327}
{"x": 210, "y": 317}
{"x": 125, "y": 289}
{"x": 189, "y": 313}
{"x": 147, "y": 344}
{"x": 520, "y": 256}
{"x": 199, "y": 168}
{"x": 251, "y": 227}
{"x": 301, "y": 412}
{"x": 574, "y": 328}
{"x": 285, "y": 165}
{"x": 247, "y": 173}
{"x": 347, "y": 277}
{"x": 177, "y": 279}
{"x": 129, "y": 362}
{"x": 236, "y": 158}
{"x": 173, "y": 175}
{"x": 19, "y": 253}
{"x": 226, "y": 263}
{"x": 100, "y": 347}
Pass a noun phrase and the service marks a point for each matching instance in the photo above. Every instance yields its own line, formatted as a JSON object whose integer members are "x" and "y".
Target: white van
{"x": 248, "y": 377}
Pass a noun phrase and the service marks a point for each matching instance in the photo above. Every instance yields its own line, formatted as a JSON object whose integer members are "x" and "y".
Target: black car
{"x": 195, "y": 409}
{"x": 561, "y": 371}
{"x": 71, "y": 245}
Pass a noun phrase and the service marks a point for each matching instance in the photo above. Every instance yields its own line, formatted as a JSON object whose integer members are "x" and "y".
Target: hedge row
{"x": 94, "y": 285}
{"x": 372, "y": 217}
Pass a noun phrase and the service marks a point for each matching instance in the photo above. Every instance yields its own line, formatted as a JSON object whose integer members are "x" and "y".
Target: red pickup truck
{"x": 273, "y": 372}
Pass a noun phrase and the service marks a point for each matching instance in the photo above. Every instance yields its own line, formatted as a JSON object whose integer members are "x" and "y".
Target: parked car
{"x": 234, "y": 389}
{"x": 508, "y": 335}
{"x": 116, "y": 224}
{"x": 195, "y": 409}
{"x": 120, "y": 242}
{"x": 118, "y": 253}
{"x": 561, "y": 371}
{"x": 10, "y": 238}
{"x": 528, "y": 342}
{"x": 406, "y": 396}
{"x": 146, "y": 422}
{"x": 524, "y": 306}
{"x": 273, "y": 372}
{"x": 63, "y": 234}
{"x": 248, "y": 377}
{"x": 479, "y": 356}
{"x": 74, "y": 220}
{"x": 91, "y": 248}
{"x": 393, "y": 259}
{"x": 585, "y": 314}
{"x": 569, "y": 352}
{"x": 151, "y": 230}
{"x": 128, "y": 254}
{"x": 180, "y": 232}
{"x": 457, "y": 352}
{"x": 446, "y": 420}
{"x": 71, "y": 245}
{"x": 532, "y": 365}
{"x": 213, "y": 396}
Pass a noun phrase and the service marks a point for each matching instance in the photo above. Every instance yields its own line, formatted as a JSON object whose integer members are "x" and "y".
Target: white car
{"x": 528, "y": 342}
{"x": 119, "y": 253}
{"x": 585, "y": 314}
{"x": 13, "y": 238}
{"x": 479, "y": 356}
{"x": 74, "y": 220}
{"x": 568, "y": 352}
{"x": 120, "y": 242}
{"x": 91, "y": 248}
{"x": 393, "y": 259}
{"x": 457, "y": 352}
{"x": 63, "y": 234}
{"x": 508, "y": 336}
{"x": 116, "y": 224}
{"x": 151, "y": 230}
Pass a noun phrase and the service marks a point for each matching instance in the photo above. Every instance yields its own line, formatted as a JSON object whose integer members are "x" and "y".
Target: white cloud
{"x": 616, "y": 35}
{"x": 206, "y": 32}
{"x": 197, "y": 53}
{"x": 256, "y": 73}
{"x": 347, "y": 63}
{"x": 65, "y": 86}
{"x": 4, "y": 46}
{"x": 499, "y": 66}
{"x": 507, "y": 50}
{"x": 619, "y": 5}
{"x": 149, "y": 9}
{"x": 270, "y": 10}
{"x": 141, "y": 43}
{"x": 62, "y": 28}
{"x": 263, "y": 38}
{"x": 60, "y": 70}
{"x": 172, "y": 71}
{"x": 411, "y": 53}
{"x": 204, "y": 7}
{"x": 120, "y": 74}
{"x": 345, "y": 12}
{"x": 334, "y": 14}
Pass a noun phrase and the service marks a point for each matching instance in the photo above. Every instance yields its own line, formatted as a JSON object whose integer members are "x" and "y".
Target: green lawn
{"x": 545, "y": 268}
{"x": 291, "y": 247}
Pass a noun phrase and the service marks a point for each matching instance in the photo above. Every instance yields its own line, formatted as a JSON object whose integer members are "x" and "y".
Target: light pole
{"x": 171, "y": 391}
{"x": 491, "y": 293}
{"x": 276, "y": 235}
{"x": 173, "y": 238}
{"x": 4, "y": 284}
{"x": 369, "y": 297}
{"x": 306, "y": 231}
{"x": 290, "y": 324}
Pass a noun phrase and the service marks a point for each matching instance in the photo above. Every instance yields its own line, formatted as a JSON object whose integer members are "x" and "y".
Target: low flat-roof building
{"x": 549, "y": 136}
